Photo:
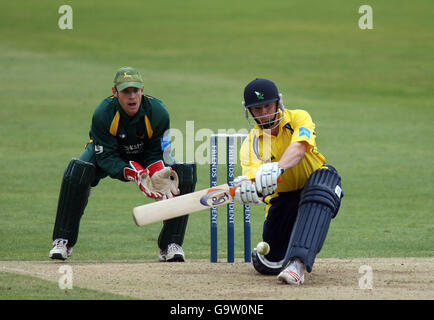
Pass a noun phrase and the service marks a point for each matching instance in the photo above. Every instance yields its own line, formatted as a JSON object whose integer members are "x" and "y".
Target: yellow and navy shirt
{"x": 260, "y": 147}
{"x": 118, "y": 139}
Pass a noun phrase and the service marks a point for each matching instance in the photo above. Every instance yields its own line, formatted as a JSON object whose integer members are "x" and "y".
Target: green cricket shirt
{"x": 119, "y": 139}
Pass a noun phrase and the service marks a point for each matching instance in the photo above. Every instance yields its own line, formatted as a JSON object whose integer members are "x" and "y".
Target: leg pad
{"x": 319, "y": 203}
{"x": 73, "y": 197}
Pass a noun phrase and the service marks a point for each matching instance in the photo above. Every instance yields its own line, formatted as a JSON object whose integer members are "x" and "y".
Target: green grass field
{"x": 13, "y": 286}
{"x": 370, "y": 93}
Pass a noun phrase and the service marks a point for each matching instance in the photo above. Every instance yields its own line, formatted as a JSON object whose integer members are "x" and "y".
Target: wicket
{"x": 230, "y": 162}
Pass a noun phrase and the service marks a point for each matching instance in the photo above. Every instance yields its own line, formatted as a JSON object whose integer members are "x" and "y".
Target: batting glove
{"x": 266, "y": 178}
{"x": 245, "y": 192}
{"x": 137, "y": 174}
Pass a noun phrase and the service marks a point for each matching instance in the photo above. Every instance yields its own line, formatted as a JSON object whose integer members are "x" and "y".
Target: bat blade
{"x": 183, "y": 205}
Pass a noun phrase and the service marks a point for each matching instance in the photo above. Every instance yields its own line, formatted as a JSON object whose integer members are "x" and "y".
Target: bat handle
{"x": 232, "y": 189}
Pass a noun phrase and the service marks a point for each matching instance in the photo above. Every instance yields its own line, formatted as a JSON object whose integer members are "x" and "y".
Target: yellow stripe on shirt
{"x": 115, "y": 124}
{"x": 148, "y": 127}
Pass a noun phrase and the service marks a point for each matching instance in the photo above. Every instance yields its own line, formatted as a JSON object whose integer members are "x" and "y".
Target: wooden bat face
{"x": 215, "y": 197}
{"x": 183, "y": 205}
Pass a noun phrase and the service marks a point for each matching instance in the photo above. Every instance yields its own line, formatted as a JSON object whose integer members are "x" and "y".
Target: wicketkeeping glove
{"x": 266, "y": 178}
{"x": 245, "y": 192}
{"x": 137, "y": 174}
{"x": 161, "y": 179}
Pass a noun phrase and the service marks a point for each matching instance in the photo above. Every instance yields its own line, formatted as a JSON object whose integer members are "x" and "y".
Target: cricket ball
{"x": 263, "y": 248}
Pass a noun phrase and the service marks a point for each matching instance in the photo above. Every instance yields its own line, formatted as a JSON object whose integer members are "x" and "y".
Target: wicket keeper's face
{"x": 129, "y": 99}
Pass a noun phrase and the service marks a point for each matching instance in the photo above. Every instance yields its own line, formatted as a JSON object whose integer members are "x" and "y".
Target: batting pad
{"x": 319, "y": 203}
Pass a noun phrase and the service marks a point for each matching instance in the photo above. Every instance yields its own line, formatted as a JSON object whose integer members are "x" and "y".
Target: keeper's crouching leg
{"x": 319, "y": 203}
{"x": 174, "y": 229}
{"x": 73, "y": 198}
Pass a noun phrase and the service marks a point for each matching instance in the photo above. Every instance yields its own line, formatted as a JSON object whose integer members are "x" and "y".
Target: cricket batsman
{"x": 129, "y": 141}
{"x": 299, "y": 208}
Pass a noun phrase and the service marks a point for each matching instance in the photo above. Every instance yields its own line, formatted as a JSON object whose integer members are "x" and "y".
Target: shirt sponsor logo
{"x": 304, "y": 132}
{"x": 133, "y": 148}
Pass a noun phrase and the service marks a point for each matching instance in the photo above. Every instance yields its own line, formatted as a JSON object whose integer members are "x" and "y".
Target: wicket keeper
{"x": 299, "y": 208}
{"x": 129, "y": 141}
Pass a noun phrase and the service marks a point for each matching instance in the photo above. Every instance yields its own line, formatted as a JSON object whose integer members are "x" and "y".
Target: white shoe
{"x": 293, "y": 273}
{"x": 61, "y": 250}
{"x": 173, "y": 253}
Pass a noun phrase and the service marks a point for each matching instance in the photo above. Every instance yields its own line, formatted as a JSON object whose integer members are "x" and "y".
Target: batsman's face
{"x": 129, "y": 99}
{"x": 264, "y": 113}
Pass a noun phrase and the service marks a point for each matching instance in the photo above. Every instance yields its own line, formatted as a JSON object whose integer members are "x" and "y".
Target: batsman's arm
{"x": 302, "y": 141}
{"x": 293, "y": 155}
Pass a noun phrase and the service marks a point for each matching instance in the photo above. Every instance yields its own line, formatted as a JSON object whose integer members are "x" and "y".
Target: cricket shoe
{"x": 293, "y": 273}
{"x": 173, "y": 253}
{"x": 61, "y": 250}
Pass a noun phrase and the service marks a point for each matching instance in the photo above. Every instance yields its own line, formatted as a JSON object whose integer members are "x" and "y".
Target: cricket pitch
{"x": 346, "y": 279}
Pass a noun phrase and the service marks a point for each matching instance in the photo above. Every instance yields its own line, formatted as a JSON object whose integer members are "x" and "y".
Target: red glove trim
{"x": 154, "y": 167}
{"x": 134, "y": 173}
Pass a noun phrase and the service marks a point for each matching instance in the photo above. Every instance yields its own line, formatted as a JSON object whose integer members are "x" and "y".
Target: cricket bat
{"x": 183, "y": 205}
